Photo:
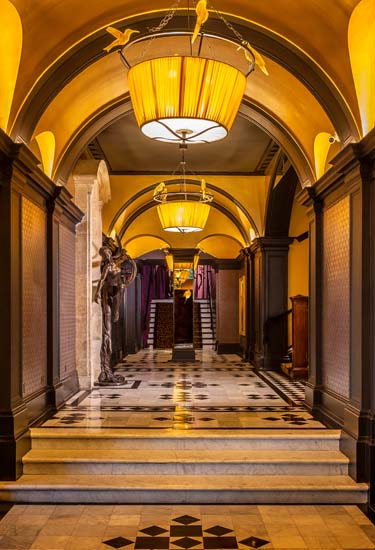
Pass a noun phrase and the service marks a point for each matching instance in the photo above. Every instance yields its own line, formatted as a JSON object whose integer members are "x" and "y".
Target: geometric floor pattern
{"x": 147, "y": 527}
{"x": 216, "y": 391}
{"x": 186, "y": 532}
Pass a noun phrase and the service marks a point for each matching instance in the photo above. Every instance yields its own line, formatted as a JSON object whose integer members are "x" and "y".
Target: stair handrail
{"x": 209, "y": 295}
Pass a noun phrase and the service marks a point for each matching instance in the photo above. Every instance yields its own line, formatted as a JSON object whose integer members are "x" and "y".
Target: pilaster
{"x": 91, "y": 192}
{"x": 270, "y": 283}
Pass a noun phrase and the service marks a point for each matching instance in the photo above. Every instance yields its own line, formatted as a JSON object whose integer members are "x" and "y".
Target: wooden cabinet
{"x": 300, "y": 316}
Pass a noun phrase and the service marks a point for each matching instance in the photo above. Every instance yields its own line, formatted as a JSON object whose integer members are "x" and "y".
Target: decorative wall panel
{"x": 336, "y": 298}
{"x": 67, "y": 303}
{"x": 34, "y": 298}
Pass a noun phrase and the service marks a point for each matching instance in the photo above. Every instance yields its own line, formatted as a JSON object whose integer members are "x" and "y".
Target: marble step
{"x": 184, "y": 462}
{"x": 91, "y": 438}
{"x": 186, "y": 489}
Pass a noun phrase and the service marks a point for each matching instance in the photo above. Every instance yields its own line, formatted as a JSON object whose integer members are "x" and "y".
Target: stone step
{"x": 184, "y": 462}
{"x": 186, "y": 489}
{"x": 210, "y": 439}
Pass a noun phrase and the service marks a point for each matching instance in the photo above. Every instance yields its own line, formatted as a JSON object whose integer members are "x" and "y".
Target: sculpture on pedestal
{"x": 117, "y": 272}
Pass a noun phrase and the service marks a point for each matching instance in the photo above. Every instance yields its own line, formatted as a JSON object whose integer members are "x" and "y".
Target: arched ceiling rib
{"x": 103, "y": 84}
{"x": 139, "y": 201}
{"x": 147, "y": 221}
{"x": 316, "y": 28}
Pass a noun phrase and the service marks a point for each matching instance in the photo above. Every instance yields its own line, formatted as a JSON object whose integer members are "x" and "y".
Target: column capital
{"x": 270, "y": 243}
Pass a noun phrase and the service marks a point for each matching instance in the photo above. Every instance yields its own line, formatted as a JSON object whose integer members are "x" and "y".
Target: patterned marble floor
{"x": 217, "y": 391}
{"x": 147, "y": 527}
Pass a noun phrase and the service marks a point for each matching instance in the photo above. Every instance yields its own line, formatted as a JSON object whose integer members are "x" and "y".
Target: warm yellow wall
{"x": 298, "y": 282}
{"x": 220, "y": 246}
{"x": 10, "y": 51}
{"x": 298, "y": 260}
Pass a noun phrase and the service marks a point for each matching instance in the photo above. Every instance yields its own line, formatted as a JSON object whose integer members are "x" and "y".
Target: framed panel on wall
{"x": 242, "y": 305}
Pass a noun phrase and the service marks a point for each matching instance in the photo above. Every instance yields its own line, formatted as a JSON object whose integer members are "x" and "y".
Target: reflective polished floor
{"x": 217, "y": 391}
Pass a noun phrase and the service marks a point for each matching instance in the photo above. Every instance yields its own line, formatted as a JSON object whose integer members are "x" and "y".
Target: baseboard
{"x": 230, "y": 348}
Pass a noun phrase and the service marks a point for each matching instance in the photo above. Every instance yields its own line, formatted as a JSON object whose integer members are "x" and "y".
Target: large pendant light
{"x": 182, "y": 210}
{"x": 186, "y": 86}
{"x": 191, "y": 98}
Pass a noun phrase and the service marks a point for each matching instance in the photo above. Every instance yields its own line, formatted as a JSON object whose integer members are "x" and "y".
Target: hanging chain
{"x": 163, "y": 23}
{"x": 237, "y": 34}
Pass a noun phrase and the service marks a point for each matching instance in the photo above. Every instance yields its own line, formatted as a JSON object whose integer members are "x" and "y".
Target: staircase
{"x": 246, "y": 466}
{"x": 151, "y": 325}
{"x": 208, "y": 324}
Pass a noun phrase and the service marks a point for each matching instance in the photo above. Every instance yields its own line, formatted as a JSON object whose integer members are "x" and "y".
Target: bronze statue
{"x": 113, "y": 278}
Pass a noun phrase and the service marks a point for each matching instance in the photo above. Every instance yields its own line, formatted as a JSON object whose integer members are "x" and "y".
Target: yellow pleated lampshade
{"x": 183, "y": 216}
{"x": 194, "y": 95}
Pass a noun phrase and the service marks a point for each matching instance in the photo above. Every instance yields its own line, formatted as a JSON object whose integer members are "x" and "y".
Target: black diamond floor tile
{"x": 254, "y": 542}
{"x": 153, "y": 531}
{"x": 218, "y": 530}
{"x": 118, "y": 542}
{"x": 186, "y": 519}
{"x": 186, "y": 542}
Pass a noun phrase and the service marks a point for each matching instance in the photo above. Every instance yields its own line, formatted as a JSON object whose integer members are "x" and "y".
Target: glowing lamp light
{"x": 182, "y": 210}
{"x": 185, "y": 98}
{"x": 183, "y": 216}
{"x": 186, "y": 85}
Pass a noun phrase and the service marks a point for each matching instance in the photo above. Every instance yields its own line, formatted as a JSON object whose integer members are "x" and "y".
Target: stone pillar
{"x": 92, "y": 190}
{"x": 227, "y": 306}
{"x": 270, "y": 272}
{"x": 61, "y": 329}
{"x": 248, "y": 341}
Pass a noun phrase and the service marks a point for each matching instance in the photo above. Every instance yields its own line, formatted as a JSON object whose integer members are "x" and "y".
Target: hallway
{"x": 198, "y": 424}
{"x": 217, "y": 391}
{"x": 212, "y": 431}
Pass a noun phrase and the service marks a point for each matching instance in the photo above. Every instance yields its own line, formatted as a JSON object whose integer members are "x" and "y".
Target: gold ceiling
{"x": 62, "y": 89}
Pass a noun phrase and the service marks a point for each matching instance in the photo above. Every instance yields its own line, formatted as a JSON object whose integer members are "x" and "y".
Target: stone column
{"x": 82, "y": 197}
{"x": 92, "y": 190}
{"x": 96, "y": 310}
{"x": 270, "y": 272}
{"x": 248, "y": 340}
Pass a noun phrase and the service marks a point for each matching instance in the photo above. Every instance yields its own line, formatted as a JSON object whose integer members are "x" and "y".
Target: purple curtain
{"x": 155, "y": 285}
{"x": 204, "y": 283}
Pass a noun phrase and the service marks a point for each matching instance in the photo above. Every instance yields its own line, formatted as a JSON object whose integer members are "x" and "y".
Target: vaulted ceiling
{"x": 66, "y": 89}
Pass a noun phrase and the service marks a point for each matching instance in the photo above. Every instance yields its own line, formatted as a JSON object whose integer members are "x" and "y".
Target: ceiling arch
{"x": 115, "y": 110}
{"x": 147, "y": 222}
{"x": 134, "y": 217}
{"x": 216, "y": 190}
{"x": 143, "y": 244}
{"x": 220, "y": 245}
{"x": 94, "y": 82}
{"x": 301, "y": 45}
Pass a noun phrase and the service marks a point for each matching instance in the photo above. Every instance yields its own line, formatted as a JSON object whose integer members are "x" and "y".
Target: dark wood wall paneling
{"x": 267, "y": 337}
{"x": 31, "y": 206}
{"x": 342, "y": 205}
